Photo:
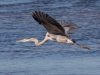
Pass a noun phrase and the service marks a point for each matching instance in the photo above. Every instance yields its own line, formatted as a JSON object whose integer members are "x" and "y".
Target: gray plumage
{"x": 48, "y": 22}
{"x": 69, "y": 27}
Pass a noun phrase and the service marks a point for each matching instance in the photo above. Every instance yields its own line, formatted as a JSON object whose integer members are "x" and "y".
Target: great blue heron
{"x": 55, "y": 31}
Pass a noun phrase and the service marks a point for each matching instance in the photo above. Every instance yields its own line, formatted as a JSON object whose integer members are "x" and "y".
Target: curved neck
{"x": 37, "y": 43}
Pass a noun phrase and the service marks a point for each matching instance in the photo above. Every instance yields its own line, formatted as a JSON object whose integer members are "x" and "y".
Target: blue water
{"x": 51, "y": 58}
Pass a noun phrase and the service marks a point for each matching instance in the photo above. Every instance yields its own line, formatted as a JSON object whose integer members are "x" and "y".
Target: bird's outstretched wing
{"x": 69, "y": 27}
{"x": 48, "y": 22}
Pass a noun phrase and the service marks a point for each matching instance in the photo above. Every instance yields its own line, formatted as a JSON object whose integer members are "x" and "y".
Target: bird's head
{"x": 28, "y": 40}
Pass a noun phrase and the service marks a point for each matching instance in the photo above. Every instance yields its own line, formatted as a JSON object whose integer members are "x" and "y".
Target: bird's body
{"x": 58, "y": 32}
{"x": 52, "y": 37}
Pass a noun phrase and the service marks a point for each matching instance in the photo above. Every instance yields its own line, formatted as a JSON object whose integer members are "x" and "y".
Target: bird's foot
{"x": 85, "y": 47}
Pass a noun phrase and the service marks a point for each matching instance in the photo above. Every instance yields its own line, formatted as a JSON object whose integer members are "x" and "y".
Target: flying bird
{"x": 58, "y": 32}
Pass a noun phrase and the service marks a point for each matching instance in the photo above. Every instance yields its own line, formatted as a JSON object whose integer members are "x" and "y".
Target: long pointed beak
{"x": 20, "y": 41}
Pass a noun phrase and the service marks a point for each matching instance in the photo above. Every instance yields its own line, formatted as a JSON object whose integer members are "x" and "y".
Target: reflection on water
{"x": 52, "y": 57}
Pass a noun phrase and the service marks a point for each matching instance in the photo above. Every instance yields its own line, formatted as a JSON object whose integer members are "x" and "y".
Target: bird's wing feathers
{"x": 48, "y": 22}
{"x": 69, "y": 27}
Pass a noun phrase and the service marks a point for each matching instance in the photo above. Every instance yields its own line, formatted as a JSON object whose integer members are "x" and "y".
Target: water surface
{"x": 52, "y": 58}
